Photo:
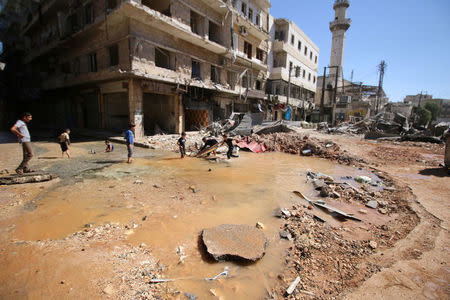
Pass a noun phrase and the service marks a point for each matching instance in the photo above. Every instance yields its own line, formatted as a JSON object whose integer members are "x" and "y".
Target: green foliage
{"x": 434, "y": 109}
{"x": 423, "y": 116}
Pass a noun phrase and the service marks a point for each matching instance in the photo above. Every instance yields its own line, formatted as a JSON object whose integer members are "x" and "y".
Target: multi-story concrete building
{"x": 161, "y": 64}
{"x": 293, "y": 62}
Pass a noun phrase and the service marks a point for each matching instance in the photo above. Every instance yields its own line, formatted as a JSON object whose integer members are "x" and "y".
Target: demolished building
{"x": 163, "y": 65}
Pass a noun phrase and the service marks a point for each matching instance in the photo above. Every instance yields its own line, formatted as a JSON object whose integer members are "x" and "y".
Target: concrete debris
{"x": 139, "y": 182}
{"x": 373, "y": 244}
{"x": 224, "y": 273}
{"x": 234, "y": 242}
{"x": 190, "y": 296}
{"x": 363, "y": 179}
{"x": 372, "y": 204}
{"x": 318, "y": 183}
{"x": 286, "y": 235}
{"x": 260, "y": 225}
{"x": 109, "y": 290}
{"x": 293, "y": 285}
{"x": 286, "y": 212}
{"x": 25, "y": 178}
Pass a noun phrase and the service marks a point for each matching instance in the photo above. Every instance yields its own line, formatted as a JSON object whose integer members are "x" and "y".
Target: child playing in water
{"x": 64, "y": 142}
{"x": 182, "y": 144}
{"x": 109, "y": 146}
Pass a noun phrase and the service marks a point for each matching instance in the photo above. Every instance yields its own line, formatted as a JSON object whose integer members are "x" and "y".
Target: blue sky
{"x": 412, "y": 36}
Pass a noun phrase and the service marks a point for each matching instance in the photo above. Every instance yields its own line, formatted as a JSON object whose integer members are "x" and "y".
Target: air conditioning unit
{"x": 346, "y": 99}
{"x": 243, "y": 31}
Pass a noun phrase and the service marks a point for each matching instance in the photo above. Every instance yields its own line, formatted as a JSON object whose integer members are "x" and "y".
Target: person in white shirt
{"x": 21, "y": 130}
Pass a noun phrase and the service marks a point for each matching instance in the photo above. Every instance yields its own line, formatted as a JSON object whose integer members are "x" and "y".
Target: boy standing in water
{"x": 64, "y": 142}
{"x": 182, "y": 144}
{"x": 21, "y": 130}
{"x": 129, "y": 138}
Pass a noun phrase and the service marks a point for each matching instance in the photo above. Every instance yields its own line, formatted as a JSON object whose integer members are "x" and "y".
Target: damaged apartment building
{"x": 293, "y": 64}
{"x": 165, "y": 65}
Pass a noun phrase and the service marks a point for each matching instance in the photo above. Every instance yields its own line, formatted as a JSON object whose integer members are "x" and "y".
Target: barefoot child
{"x": 109, "y": 146}
{"x": 64, "y": 142}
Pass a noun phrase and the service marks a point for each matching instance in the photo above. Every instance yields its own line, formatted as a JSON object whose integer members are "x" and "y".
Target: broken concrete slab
{"x": 372, "y": 204}
{"x": 234, "y": 242}
{"x": 318, "y": 184}
{"x": 26, "y": 178}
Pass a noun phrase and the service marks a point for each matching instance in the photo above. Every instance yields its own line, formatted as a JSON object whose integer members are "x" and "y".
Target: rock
{"x": 382, "y": 203}
{"x": 286, "y": 212}
{"x": 325, "y": 191}
{"x": 277, "y": 213}
{"x": 109, "y": 290}
{"x": 373, "y": 244}
{"x": 318, "y": 183}
{"x": 372, "y": 204}
{"x": 234, "y": 242}
{"x": 157, "y": 186}
{"x": 306, "y": 152}
{"x": 139, "y": 182}
{"x": 286, "y": 235}
{"x": 383, "y": 211}
{"x": 363, "y": 211}
{"x": 260, "y": 225}
{"x": 363, "y": 179}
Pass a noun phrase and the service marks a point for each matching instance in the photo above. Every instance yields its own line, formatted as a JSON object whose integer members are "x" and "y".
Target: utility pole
{"x": 381, "y": 67}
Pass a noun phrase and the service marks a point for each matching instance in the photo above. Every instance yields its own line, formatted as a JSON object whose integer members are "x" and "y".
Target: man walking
{"x": 21, "y": 130}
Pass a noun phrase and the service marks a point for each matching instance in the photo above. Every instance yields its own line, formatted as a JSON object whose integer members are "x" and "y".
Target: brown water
{"x": 245, "y": 190}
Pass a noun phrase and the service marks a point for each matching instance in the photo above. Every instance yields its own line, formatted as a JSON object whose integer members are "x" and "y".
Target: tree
{"x": 423, "y": 116}
{"x": 434, "y": 109}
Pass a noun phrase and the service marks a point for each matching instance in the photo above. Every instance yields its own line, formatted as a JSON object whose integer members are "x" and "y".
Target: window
{"x": 299, "y": 46}
{"x": 88, "y": 13}
{"x": 114, "y": 55}
{"x": 162, "y": 58}
{"x": 215, "y": 74}
{"x": 258, "y": 85}
{"x": 304, "y": 73}
{"x": 250, "y": 14}
{"x": 314, "y": 79}
{"x": 306, "y": 50}
{"x": 231, "y": 79}
{"x": 92, "y": 62}
{"x": 309, "y": 76}
{"x": 315, "y": 60}
{"x": 292, "y": 40}
{"x": 111, "y": 4}
{"x": 290, "y": 65}
{"x": 195, "y": 19}
{"x": 260, "y": 54}
{"x": 244, "y": 8}
{"x": 248, "y": 49}
{"x": 310, "y": 55}
{"x": 214, "y": 32}
{"x": 257, "y": 20}
{"x": 76, "y": 66}
{"x": 195, "y": 69}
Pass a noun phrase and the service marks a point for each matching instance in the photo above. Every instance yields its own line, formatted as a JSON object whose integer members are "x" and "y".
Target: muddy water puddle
{"x": 241, "y": 191}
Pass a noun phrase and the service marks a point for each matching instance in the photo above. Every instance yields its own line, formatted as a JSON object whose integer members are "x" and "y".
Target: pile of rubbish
{"x": 377, "y": 127}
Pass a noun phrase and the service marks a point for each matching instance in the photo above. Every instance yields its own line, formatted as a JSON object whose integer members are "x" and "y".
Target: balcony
{"x": 280, "y": 46}
{"x": 340, "y": 24}
{"x": 243, "y": 59}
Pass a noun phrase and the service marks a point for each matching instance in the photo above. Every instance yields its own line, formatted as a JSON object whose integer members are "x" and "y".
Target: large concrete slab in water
{"x": 235, "y": 242}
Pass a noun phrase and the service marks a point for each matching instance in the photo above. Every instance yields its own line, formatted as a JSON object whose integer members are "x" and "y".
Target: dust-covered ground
{"x": 398, "y": 250}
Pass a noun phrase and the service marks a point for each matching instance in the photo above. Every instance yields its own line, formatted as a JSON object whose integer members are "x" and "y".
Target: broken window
{"x": 195, "y": 22}
{"x": 258, "y": 85}
{"x": 214, "y": 32}
{"x": 215, "y": 74}
{"x": 88, "y": 13}
{"x": 315, "y": 60}
{"x": 162, "y": 58}
{"x": 248, "y": 49}
{"x": 163, "y": 6}
{"x": 114, "y": 55}
{"x": 299, "y": 46}
{"x": 310, "y": 55}
{"x": 195, "y": 70}
{"x": 111, "y": 4}
{"x": 279, "y": 35}
{"x": 314, "y": 79}
{"x": 244, "y": 8}
{"x": 309, "y": 76}
{"x": 260, "y": 54}
{"x": 258, "y": 20}
{"x": 306, "y": 50}
{"x": 92, "y": 62}
{"x": 292, "y": 40}
{"x": 304, "y": 73}
{"x": 250, "y": 14}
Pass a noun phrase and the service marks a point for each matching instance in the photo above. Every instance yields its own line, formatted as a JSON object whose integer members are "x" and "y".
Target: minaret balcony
{"x": 340, "y": 24}
{"x": 341, "y": 3}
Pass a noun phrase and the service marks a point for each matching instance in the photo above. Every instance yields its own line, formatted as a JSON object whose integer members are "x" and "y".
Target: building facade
{"x": 293, "y": 63}
{"x": 166, "y": 66}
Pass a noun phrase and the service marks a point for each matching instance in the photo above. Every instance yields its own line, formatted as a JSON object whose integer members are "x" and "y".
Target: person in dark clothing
{"x": 209, "y": 143}
{"x": 182, "y": 144}
{"x": 229, "y": 141}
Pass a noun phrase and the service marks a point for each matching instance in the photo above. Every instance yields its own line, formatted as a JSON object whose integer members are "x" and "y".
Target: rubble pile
{"x": 329, "y": 259}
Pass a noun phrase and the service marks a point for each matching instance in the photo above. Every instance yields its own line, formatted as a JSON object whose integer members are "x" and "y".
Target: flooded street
{"x": 121, "y": 225}
{"x": 158, "y": 188}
